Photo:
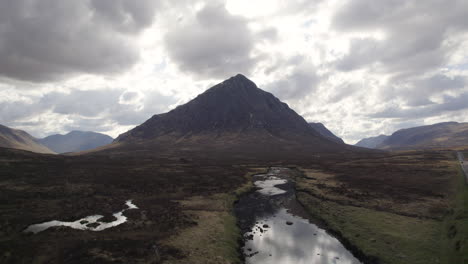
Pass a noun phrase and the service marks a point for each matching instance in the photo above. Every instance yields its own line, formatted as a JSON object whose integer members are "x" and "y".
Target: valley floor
{"x": 395, "y": 208}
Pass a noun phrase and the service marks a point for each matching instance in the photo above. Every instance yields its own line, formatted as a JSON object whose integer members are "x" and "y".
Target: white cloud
{"x": 361, "y": 67}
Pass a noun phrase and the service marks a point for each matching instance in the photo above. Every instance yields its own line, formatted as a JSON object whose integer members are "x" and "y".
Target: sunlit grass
{"x": 456, "y": 223}
{"x": 390, "y": 237}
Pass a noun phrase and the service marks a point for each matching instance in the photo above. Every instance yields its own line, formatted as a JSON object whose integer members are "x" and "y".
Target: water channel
{"x": 91, "y": 222}
{"x": 277, "y": 230}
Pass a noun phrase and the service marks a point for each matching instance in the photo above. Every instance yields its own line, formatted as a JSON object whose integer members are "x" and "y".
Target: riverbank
{"x": 385, "y": 227}
{"x": 456, "y": 223}
{"x": 216, "y": 237}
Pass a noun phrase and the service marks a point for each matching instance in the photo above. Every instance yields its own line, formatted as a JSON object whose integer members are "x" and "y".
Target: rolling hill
{"x": 441, "y": 135}
{"x": 371, "y": 142}
{"x": 76, "y": 141}
{"x": 19, "y": 139}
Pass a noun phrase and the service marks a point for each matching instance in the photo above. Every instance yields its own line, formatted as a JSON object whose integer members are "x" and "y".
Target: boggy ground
{"x": 405, "y": 207}
{"x": 396, "y": 207}
{"x": 37, "y": 188}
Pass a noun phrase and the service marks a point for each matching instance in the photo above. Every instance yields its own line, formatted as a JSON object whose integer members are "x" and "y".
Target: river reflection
{"x": 298, "y": 243}
{"x": 268, "y": 185}
{"x": 275, "y": 235}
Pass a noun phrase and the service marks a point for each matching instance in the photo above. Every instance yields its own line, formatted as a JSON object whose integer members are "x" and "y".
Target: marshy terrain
{"x": 387, "y": 208}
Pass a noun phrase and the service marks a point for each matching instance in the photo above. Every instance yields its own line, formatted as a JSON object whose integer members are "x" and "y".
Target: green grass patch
{"x": 392, "y": 238}
{"x": 231, "y": 233}
{"x": 456, "y": 224}
{"x": 397, "y": 239}
{"x": 230, "y": 242}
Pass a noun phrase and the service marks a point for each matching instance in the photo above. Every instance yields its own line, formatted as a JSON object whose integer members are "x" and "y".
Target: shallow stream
{"x": 277, "y": 230}
{"x": 88, "y": 223}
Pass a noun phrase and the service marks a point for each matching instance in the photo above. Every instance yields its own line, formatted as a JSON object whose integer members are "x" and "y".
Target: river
{"x": 277, "y": 229}
{"x": 91, "y": 222}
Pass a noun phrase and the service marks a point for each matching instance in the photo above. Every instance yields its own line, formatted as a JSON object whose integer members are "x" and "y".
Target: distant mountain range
{"x": 319, "y": 127}
{"x": 72, "y": 142}
{"x": 441, "y": 135}
{"x": 234, "y": 114}
{"x": 19, "y": 139}
{"x": 371, "y": 142}
{"x": 76, "y": 141}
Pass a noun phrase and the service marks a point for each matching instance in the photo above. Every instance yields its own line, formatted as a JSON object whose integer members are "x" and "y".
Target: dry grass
{"x": 204, "y": 242}
{"x": 215, "y": 237}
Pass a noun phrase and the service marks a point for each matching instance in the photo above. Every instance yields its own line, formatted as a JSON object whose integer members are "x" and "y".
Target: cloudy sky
{"x": 361, "y": 67}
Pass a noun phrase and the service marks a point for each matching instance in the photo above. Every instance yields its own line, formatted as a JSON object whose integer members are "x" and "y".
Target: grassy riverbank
{"x": 382, "y": 222}
{"x": 456, "y": 224}
{"x": 390, "y": 237}
{"x": 215, "y": 238}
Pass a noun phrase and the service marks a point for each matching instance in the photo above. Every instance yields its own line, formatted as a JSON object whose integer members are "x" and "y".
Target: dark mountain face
{"x": 234, "y": 106}
{"x": 319, "y": 127}
{"x": 371, "y": 142}
{"x": 75, "y": 141}
{"x": 231, "y": 112}
{"x": 19, "y": 139}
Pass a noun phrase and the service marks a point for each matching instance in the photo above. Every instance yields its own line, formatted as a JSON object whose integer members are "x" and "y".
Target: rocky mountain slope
{"x": 232, "y": 114}
{"x": 319, "y": 127}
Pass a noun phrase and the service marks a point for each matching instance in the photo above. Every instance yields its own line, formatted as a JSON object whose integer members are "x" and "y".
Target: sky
{"x": 361, "y": 67}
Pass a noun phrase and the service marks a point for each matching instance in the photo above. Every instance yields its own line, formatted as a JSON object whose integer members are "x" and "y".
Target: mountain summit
{"x": 235, "y": 106}
{"x": 230, "y": 113}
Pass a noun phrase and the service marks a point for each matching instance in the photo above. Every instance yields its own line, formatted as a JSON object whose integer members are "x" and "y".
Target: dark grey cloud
{"x": 83, "y": 103}
{"x": 213, "y": 44}
{"x": 12, "y": 112}
{"x": 125, "y": 15}
{"x": 418, "y": 35}
{"x": 449, "y": 104}
{"x": 129, "y": 97}
{"x": 418, "y": 91}
{"x": 107, "y": 103}
{"x": 363, "y": 52}
{"x": 48, "y": 40}
{"x": 301, "y": 82}
{"x": 344, "y": 91}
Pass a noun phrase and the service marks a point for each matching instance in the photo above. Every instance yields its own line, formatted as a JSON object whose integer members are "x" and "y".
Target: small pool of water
{"x": 91, "y": 222}
{"x": 267, "y": 186}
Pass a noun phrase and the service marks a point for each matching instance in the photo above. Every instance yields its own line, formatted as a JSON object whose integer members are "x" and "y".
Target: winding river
{"x": 277, "y": 229}
{"x": 91, "y": 222}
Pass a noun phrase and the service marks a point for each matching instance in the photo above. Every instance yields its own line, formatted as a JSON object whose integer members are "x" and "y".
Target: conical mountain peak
{"x": 235, "y": 107}
{"x": 236, "y": 84}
